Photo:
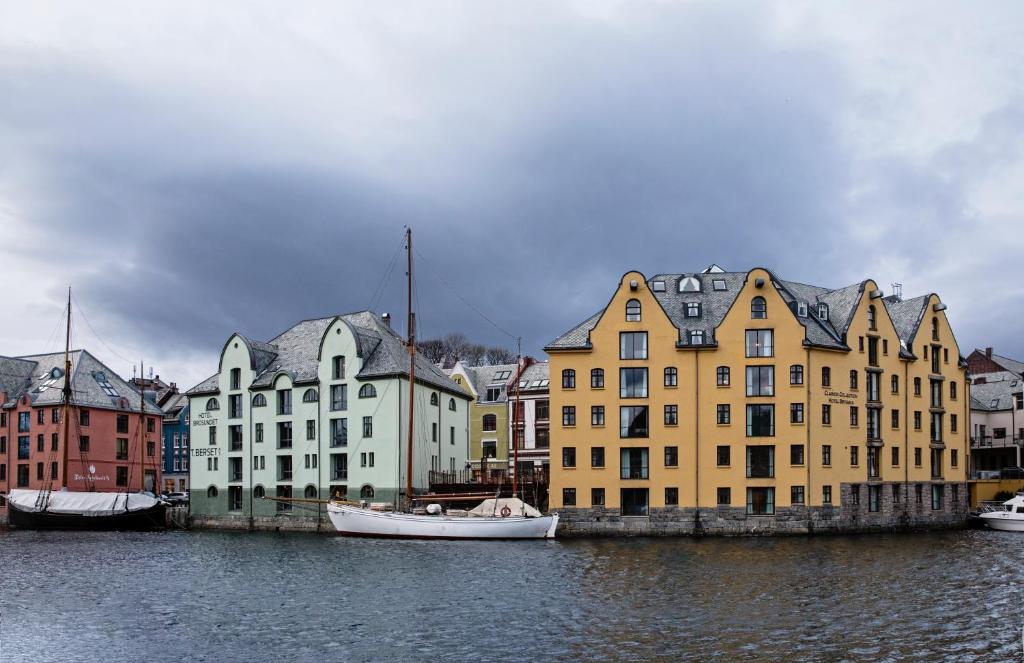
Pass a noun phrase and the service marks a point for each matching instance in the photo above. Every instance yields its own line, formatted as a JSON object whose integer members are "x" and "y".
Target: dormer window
{"x": 693, "y": 309}
{"x": 658, "y": 286}
{"x": 758, "y": 308}
{"x": 689, "y": 284}
{"x": 801, "y": 309}
{"x": 822, "y": 311}
{"x": 633, "y": 310}
{"x": 697, "y": 337}
{"x": 719, "y": 284}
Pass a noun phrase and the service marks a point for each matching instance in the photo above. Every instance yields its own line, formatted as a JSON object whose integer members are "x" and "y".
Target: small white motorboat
{"x": 494, "y": 519}
{"x": 1010, "y": 518}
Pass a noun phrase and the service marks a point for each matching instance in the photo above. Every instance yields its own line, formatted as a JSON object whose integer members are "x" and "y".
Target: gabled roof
{"x": 296, "y": 352}
{"x": 88, "y": 375}
{"x": 906, "y": 317}
{"x": 1008, "y": 364}
{"x": 486, "y": 376}
{"x": 996, "y": 396}
{"x": 536, "y": 378}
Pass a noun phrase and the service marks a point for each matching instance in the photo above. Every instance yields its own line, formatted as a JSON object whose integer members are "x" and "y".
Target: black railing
{"x": 634, "y": 472}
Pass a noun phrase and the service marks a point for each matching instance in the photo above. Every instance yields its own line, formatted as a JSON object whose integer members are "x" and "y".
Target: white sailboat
{"x": 494, "y": 519}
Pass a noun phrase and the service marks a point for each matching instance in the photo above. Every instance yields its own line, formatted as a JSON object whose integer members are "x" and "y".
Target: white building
{"x": 534, "y": 420}
{"x": 320, "y": 410}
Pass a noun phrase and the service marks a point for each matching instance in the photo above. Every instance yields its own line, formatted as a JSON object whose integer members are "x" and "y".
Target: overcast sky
{"x": 197, "y": 168}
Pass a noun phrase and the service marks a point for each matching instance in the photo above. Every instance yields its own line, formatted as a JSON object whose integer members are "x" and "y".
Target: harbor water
{"x": 955, "y": 595}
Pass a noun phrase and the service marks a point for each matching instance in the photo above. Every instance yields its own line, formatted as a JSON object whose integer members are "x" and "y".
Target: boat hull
{"x": 998, "y": 521}
{"x": 153, "y": 518}
{"x": 354, "y": 521}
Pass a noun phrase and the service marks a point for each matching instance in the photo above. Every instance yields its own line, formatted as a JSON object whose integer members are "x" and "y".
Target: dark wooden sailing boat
{"x": 90, "y": 509}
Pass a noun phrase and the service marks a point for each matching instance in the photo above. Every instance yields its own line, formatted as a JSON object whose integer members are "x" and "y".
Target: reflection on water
{"x": 189, "y": 596}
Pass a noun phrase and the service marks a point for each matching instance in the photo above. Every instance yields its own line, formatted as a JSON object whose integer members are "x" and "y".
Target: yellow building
{"x": 736, "y": 402}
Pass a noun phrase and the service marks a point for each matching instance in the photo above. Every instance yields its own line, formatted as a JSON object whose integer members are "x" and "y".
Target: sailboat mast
{"x": 515, "y": 419}
{"x": 411, "y": 345}
{"x": 142, "y": 425}
{"x": 66, "y": 398}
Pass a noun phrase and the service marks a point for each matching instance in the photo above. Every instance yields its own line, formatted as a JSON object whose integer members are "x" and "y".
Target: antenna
{"x": 897, "y": 291}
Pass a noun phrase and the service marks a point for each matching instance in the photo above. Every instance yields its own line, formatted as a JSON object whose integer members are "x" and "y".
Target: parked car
{"x": 176, "y": 499}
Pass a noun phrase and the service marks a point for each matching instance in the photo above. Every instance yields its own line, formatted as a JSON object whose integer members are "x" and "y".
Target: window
{"x": 284, "y": 401}
{"x": 83, "y": 417}
{"x": 826, "y": 376}
{"x": 874, "y": 462}
{"x": 633, "y": 421}
{"x": 632, "y": 345}
{"x": 854, "y": 416}
{"x": 672, "y": 456}
{"x": 759, "y": 343}
{"x": 671, "y": 496}
{"x": 310, "y": 429}
{"x": 917, "y": 456}
{"x": 722, "y": 455}
{"x": 339, "y": 397}
{"x": 952, "y": 423}
{"x": 826, "y": 494}
{"x": 885, "y": 346}
{"x": 671, "y": 415}
{"x": 760, "y": 380}
{"x": 722, "y": 376}
{"x": 597, "y": 415}
{"x": 855, "y": 494}
{"x": 760, "y": 501}
{"x": 796, "y": 454}
{"x": 568, "y": 497}
{"x": 121, "y": 452}
{"x": 894, "y": 384}
{"x": 55, "y": 416}
{"x": 41, "y": 416}
{"x": 122, "y": 476}
{"x": 22, "y": 475}
{"x": 568, "y": 379}
{"x": 671, "y": 377}
{"x": 310, "y": 396}
{"x": 259, "y": 433}
{"x": 451, "y": 405}
{"x": 796, "y": 495}
{"x": 693, "y": 309}
{"x": 83, "y": 443}
{"x": 853, "y": 379}
{"x": 796, "y": 413}
{"x": 338, "y": 367}
{"x": 236, "y": 378}
{"x": 854, "y": 456}
{"x": 433, "y": 400}
{"x": 937, "y": 496}
{"x": 492, "y": 394}
{"x": 760, "y": 421}
{"x": 895, "y": 423}
{"x": 633, "y": 310}
{"x": 259, "y": 400}
{"x": 873, "y": 351}
{"x": 284, "y": 435}
{"x": 758, "y": 308}
{"x": 801, "y": 309}
{"x": 234, "y": 406}
{"x": 724, "y": 496}
{"x": 234, "y": 438}
{"x": 633, "y": 383}
{"x": 935, "y": 329}
{"x": 286, "y": 493}
{"x": 697, "y": 337}
{"x": 874, "y": 494}
{"x": 760, "y": 462}
{"x": 597, "y": 378}
{"x": 634, "y": 463}
{"x": 895, "y": 456}
{"x": 213, "y": 435}
{"x": 367, "y": 391}
{"x": 826, "y": 454}
{"x": 568, "y": 415}
{"x": 490, "y": 448}
{"x": 952, "y": 390}
{"x": 953, "y": 457}
{"x": 122, "y": 423}
{"x": 597, "y": 496}
{"x": 723, "y": 414}
{"x": 490, "y": 423}
{"x": 212, "y": 404}
{"x": 25, "y": 421}
{"x": 368, "y": 426}
{"x": 568, "y": 456}
{"x": 917, "y": 386}
{"x": 796, "y": 374}
{"x": 917, "y": 420}
{"x": 872, "y": 318}
{"x": 597, "y": 456}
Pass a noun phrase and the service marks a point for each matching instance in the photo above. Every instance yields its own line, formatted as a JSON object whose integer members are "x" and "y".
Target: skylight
{"x": 503, "y": 375}
{"x": 719, "y": 284}
{"x": 658, "y": 286}
{"x": 545, "y": 382}
{"x": 101, "y": 379}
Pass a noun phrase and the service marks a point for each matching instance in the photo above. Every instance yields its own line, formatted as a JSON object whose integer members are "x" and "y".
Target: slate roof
{"x": 295, "y": 352}
{"x": 715, "y": 304}
{"x": 29, "y": 375}
{"x": 174, "y": 405}
{"x": 484, "y": 376}
{"x": 534, "y": 373}
{"x": 996, "y": 395}
{"x": 1008, "y": 364}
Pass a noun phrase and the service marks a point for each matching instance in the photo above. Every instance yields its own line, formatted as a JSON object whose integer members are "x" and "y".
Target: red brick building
{"x": 112, "y": 447}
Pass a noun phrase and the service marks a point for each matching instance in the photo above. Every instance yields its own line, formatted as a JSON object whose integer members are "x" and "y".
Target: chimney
{"x": 386, "y": 317}
{"x": 988, "y": 352}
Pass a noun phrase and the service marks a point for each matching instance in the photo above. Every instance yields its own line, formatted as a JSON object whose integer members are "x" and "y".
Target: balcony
{"x": 339, "y": 475}
{"x": 987, "y": 441}
{"x": 236, "y": 445}
{"x": 634, "y": 472}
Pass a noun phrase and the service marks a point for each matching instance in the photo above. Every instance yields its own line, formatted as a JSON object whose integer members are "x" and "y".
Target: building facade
{"x": 176, "y": 444}
{"x": 533, "y": 437}
{"x": 489, "y": 423}
{"x": 319, "y": 411}
{"x": 736, "y": 402}
{"x": 997, "y": 415}
{"x": 108, "y": 451}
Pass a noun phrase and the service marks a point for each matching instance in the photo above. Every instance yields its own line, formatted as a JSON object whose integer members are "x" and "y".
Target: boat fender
{"x": 505, "y": 512}
{"x": 434, "y": 509}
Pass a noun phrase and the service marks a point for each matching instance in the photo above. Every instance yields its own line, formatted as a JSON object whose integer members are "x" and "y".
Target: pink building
{"x": 107, "y": 451}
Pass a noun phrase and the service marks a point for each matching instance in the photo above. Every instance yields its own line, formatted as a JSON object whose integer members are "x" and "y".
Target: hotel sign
{"x": 204, "y": 419}
{"x": 840, "y": 397}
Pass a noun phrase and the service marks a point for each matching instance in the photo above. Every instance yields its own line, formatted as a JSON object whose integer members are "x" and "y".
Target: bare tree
{"x": 431, "y": 349}
{"x": 473, "y": 354}
{"x": 455, "y": 345}
{"x": 499, "y": 355}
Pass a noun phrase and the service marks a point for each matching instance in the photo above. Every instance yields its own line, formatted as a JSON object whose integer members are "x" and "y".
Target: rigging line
{"x": 379, "y": 291}
{"x": 81, "y": 311}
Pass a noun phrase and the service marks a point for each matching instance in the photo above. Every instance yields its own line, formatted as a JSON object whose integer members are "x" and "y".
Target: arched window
{"x": 310, "y": 396}
{"x": 490, "y": 423}
{"x": 212, "y": 405}
{"x": 568, "y": 379}
{"x": 451, "y": 404}
{"x": 433, "y": 399}
{"x": 872, "y": 321}
{"x": 823, "y": 311}
{"x": 310, "y": 491}
{"x": 367, "y": 391}
{"x": 671, "y": 377}
{"x": 366, "y": 492}
{"x": 633, "y": 310}
{"x": 853, "y": 379}
{"x": 935, "y": 329}
{"x": 758, "y": 308}
{"x": 259, "y": 492}
{"x": 597, "y": 378}
{"x": 211, "y": 492}
{"x": 259, "y": 400}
